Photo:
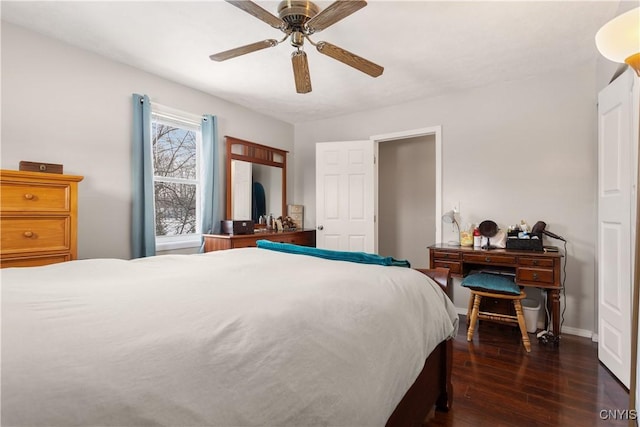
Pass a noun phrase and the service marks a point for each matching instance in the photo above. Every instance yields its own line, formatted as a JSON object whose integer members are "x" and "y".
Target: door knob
{"x": 320, "y": 227}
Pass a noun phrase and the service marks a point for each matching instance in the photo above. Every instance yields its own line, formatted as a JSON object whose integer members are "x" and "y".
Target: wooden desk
{"x": 531, "y": 268}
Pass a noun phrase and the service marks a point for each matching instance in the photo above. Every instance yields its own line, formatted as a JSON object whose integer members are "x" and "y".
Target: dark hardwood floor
{"x": 496, "y": 383}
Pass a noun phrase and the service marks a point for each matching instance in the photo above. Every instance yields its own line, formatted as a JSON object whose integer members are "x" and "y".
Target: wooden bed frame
{"x": 433, "y": 385}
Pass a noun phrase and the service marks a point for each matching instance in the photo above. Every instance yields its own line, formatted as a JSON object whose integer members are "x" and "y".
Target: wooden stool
{"x": 518, "y": 319}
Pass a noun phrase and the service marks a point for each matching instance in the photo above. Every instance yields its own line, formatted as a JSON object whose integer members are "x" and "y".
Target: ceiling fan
{"x": 299, "y": 19}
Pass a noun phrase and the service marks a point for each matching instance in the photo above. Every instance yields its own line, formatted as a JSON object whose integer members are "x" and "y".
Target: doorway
{"x": 408, "y": 194}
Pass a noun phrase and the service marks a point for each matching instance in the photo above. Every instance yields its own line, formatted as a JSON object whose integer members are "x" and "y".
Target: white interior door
{"x": 614, "y": 226}
{"x": 345, "y": 196}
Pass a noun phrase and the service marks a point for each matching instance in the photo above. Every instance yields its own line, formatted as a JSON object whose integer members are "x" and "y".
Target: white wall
{"x": 61, "y": 104}
{"x": 518, "y": 150}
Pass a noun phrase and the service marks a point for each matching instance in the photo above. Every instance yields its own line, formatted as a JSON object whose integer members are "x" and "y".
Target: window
{"x": 176, "y": 146}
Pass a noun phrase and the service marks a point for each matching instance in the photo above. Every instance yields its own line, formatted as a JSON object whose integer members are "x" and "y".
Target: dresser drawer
{"x": 34, "y": 261}
{"x": 34, "y": 197}
{"x": 297, "y": 239}
{"x": 250, "y": 241}
{"x": 214, "y": 242}
{"x": 286, "y": 239}
{"x": 489, "y": 258}
{"x": 301, "y": 238}
{"x": 244, "y": 242}
{"x": 34, "y": 234}
{"x": 535, "y": 275}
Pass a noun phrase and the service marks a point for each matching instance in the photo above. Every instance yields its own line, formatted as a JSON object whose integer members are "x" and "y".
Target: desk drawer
{"x": 35, "y": 234}
{"x": 445, "y": 255}
{"x": 534, "y": 275}
{"x": 454, "y": 267}
{"x": 489, "y": 258}
{"x": 536, "y": 262}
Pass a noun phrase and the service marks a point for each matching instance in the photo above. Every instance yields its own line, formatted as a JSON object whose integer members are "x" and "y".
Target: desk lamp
{"x": 450, "y": 218}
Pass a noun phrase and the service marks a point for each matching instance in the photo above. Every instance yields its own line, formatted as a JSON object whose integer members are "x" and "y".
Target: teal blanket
{"x": 361, "y": 257}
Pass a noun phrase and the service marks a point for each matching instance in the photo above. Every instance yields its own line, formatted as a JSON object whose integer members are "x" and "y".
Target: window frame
{"x": 191, "y": 122}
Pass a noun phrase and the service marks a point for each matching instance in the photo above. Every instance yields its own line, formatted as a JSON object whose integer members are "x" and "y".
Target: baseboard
{"x": 579, "y": 332}
{"x": 565, "y": 329}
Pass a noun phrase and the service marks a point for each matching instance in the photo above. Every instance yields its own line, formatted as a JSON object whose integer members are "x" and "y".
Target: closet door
{"x": 615, "y": 177}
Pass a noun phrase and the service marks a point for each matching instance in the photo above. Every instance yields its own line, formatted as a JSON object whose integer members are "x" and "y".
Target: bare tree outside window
{"x": 175, "y": 179}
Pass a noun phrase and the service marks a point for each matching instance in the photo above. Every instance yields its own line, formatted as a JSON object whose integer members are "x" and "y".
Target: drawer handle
{"x": 535, "y": 276}
{"x": 487, "y": 259}
{"x": 535, "y": 262}
{"x": 28, "y": 234}
{"x": 28, "y": 196}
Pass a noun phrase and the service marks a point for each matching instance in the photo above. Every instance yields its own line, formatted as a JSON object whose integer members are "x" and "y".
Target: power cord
{"x": 546, "y": 336}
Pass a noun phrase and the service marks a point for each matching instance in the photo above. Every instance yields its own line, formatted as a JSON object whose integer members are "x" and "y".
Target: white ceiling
{"x": 427, "y": 47}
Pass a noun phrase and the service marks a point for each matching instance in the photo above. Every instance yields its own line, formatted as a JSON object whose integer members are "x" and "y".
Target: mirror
{"x": 256, "y": 180}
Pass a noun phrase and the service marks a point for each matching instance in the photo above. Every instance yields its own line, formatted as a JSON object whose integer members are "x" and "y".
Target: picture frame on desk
{"x": 296, "y": 213}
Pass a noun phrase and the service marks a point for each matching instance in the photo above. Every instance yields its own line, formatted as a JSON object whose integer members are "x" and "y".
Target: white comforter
{"x": 242, "y": 337}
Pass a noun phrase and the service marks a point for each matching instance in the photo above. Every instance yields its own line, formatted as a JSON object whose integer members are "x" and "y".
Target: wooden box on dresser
{"x": 38, "y": 218}
{"x": 217, "y": 242}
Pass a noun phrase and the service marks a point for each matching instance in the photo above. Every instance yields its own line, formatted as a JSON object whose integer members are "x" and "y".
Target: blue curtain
{"x": 143, "y": 239}
{"x": 211, "y": 179}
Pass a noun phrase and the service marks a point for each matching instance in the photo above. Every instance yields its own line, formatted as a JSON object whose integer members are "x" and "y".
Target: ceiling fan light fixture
{"x": 297, "y": 39}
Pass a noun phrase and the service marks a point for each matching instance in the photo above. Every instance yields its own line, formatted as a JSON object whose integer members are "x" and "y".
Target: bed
{"x": 241, "y": 337}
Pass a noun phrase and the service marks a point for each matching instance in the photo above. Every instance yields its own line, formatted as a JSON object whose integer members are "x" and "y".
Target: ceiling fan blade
{"x": 301, "y": 71}
{"x": 260, "y": 13}
{"x": 242, "y": 50}
{"x": 351, "y": 59}
{"x": 336, "y": 11}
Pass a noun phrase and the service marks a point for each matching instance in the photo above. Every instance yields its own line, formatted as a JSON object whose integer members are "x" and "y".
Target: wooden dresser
{"x": 217, "y": 242}
{"x": 38, "y": 218}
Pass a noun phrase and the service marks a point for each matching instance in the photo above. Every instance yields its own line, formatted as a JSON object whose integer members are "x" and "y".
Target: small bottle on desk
{"x": 477, "y": 238}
